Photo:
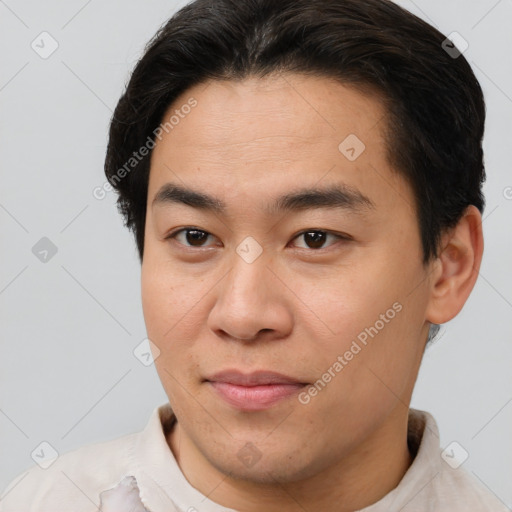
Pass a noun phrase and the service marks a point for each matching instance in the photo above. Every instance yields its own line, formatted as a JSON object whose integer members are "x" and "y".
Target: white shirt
{"x": 76, "y": 479}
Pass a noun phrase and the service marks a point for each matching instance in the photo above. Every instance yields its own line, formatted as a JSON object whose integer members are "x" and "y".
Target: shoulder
{"x": 459, "y": 489}
{"x": 75, "y": 477}
{"x": 436, "y": 479}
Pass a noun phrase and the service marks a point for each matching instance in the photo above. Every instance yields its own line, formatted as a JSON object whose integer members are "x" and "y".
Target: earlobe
{"x": 456, "y": 267}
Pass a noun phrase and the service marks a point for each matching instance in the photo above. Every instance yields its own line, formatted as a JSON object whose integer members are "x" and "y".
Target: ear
{"x": 456, "y": 268}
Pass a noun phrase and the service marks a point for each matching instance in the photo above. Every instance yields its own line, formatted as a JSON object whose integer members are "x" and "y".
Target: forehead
{"x": 259, "y": 135}
{"x": 232, "y": 113}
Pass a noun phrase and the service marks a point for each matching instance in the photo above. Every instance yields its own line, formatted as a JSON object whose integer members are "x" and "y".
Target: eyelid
{"x": 174, "y": 232}
{"x": 339, "y": 236}
{"x": 172, "y": 235}
{"x": 327, "y": 231}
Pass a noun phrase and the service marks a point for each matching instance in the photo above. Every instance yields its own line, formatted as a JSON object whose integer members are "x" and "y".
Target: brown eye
{"x": 316, "y": 238}
{"x": 190, "y": 237}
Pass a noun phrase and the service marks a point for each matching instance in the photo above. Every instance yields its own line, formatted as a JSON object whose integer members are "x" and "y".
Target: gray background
{"x": 69, "y": 325}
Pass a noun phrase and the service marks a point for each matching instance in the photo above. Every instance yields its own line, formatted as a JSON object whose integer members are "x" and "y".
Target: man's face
{"x": 292, "y": 290}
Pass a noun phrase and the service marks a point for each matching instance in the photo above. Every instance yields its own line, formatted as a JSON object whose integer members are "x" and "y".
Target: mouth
{"x": 254, "y": 391}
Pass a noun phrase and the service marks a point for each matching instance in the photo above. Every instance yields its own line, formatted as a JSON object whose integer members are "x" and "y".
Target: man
{"x": 303, "y": 180}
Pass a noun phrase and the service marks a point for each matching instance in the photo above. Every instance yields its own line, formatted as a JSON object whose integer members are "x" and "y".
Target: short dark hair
{"x": 435, "y": 106}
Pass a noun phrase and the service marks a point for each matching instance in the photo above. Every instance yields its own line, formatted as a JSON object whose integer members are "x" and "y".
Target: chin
{"x": 272, "y": 468}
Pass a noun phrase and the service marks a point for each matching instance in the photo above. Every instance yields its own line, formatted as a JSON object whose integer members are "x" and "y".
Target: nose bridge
{"x": 249, "y": 267}
{"x": 247, "y": 285}
{"x": 248, "y": 299}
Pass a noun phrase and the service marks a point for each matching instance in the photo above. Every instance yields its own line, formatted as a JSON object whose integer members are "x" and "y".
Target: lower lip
{"x": 255, "y": 398}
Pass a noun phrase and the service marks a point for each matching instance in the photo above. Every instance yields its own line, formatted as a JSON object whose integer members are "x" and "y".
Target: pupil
{"x": 198, "y": 236}
{"x": 317, "y": 238}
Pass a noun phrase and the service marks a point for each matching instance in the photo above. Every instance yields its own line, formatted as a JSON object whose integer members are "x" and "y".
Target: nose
{"x": 252, "y": 303}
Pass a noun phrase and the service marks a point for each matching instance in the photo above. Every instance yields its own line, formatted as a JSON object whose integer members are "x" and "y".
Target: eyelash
{"x": 340, "y": 237}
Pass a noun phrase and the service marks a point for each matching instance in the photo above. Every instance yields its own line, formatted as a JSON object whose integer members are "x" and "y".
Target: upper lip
{"x": 256, "y": 378}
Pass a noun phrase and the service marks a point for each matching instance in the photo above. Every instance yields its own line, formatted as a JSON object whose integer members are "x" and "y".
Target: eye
{"x": 190, "y": 237}
{"x": 315, "y": 238}
{"x": 194, "y": 237}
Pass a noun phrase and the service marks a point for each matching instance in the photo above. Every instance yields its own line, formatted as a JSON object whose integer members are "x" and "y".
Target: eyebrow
{"x": 335, "y": 196}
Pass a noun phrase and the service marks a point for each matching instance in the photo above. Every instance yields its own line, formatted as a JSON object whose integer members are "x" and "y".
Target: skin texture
{"x": 295, "y": 308}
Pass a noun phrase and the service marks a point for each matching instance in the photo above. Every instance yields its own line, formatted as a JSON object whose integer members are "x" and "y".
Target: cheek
{"x": 380, "y": 348}
{"x": 167, "y": 296}
{"x": 157, "y": 302}
{"x": 348, "y": 302}
{"x": 172, "y": 324}
{"x": 173, "y": 304}
{"x": 368, "y": 317}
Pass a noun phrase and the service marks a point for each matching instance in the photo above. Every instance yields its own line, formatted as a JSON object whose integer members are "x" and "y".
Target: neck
{"x": 360, "y": 479}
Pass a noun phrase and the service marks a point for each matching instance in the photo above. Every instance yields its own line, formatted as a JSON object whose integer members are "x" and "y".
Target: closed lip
{"x": 255, "y": 378}
{"x": 254, "y": 391}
